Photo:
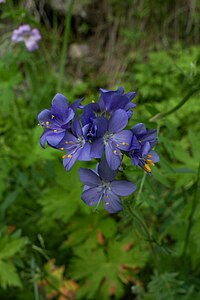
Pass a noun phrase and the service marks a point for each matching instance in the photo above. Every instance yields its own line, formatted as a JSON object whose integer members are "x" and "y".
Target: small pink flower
{"x": 28, "y": 36}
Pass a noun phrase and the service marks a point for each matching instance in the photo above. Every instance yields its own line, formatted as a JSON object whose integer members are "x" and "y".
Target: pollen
{"x": 149, "y": 162}
{"x": 69, "y": 156}
{"x": 117, "y": 145}
{"x": 114, "y": 151}
{"x": 147, "y": 168}
{"x": 124, "y": 143}
{"x": 47, "y": 123}
{"x": 107, "y": 203}
{"x": 52, "y": 116}
{"x": 61, "y": 148}
{"x": 64, "y": 156}
{"x": 66, "y": 142}
{"x": 55, "y": 130}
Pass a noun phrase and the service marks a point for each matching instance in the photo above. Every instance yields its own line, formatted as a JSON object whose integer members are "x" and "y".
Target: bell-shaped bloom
{"x": 144, "y": 157}
{"x": 112, "y": 138}
{"x": 76, "y": 144}
{"x": 100, "y": 185}
{"x": 27, "y": 35}
{"x": 56, "y": 120}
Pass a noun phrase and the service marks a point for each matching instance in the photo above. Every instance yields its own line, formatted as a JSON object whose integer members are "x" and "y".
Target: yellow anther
{"x": 149, "y": 162}
{"x": 55, "y": 130}
{"x": 69, "y": 156}
{"x": 120, "y": 153}
{"x": 123, "y": 143}
{"x": 66, "y": 142}
{"x": 117, "y": 145}
{"x": 149, "y": 156}
{"x": 114, "y": 151}
{"x": 64, "y": 156}
{"x": 147, "y": 168}
{"x": 107, "y": 203}
{"x": 52, "y": 116}
{"x": 47, "y": 123}
{"x": 61, "y": 148}
{"x": 71, "y": 142}
{"x": 93, "y": 101}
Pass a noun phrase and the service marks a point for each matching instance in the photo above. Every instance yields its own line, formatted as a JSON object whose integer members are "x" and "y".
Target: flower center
{"x": 81, "y": 141}
{"x": 107, "y": 137}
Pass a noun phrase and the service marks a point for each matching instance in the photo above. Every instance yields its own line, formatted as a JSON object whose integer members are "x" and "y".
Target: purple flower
{"x": 143, "y": 135}
{"x": 111, "y": 101}
{"x": 100, "y": 185}
{"x": 28, "y": 36}
{"x": 144, "y": 157}
{"x": 112, "y": 138}
{"x": 76, "y": 144}
{"x": 2, "y": 1}
{"x": 56, "y": 120}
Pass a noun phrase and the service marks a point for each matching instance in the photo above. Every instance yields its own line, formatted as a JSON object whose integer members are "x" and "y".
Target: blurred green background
{"x": 52, "y": 246}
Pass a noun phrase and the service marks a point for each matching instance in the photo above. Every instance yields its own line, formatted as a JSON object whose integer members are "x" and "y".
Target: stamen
{"x": 66, "y": 142}
{"x": 149, "y": 162}
{"x": 147, "y": 168}
{"x": 47, "y": 123}
{"x": 61, "y": 148}
{"x": 55, "y": 130}
{"x": 114, "y": 151}
{"x": 149, "y": 156}
{"x": 69, "y": 156}
{"x": 117, "y": 145}
{"x": 64, "y": 156}
{"x": 93, "y": 101}
{"x": 107, "y": 203}
{"x": 71, "y": 142}
{"x": 52, "y": 116}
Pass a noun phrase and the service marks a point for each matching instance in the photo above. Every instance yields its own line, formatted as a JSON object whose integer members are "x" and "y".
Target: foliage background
{"x": 51, "y": 245}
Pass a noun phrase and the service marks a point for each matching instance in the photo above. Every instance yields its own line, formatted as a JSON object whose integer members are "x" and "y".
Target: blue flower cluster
{"x": 99, "y": 133}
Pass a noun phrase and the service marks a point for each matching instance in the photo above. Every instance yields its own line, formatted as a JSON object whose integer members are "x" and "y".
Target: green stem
{"x": 191, "y": 216}
{"x": 35, "y": 286}
{"x": 65, "y": 44}
{"x": 179, "y": 105}
{"x": 141, "y": 222}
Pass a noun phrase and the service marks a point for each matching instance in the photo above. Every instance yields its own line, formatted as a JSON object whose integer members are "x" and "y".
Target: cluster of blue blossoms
{"x": 99, "y": 133}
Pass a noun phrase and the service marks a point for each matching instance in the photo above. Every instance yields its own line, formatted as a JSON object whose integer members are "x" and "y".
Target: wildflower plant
{"x": 99, "y": 132}
{"x": 29, "y": 36}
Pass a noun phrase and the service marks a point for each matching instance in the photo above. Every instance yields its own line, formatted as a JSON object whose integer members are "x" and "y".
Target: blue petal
{"x": 68, "y": 117}
{"x": 97, "y": 148}
{"x": 85, "y": 152}
{"x": 113, "y": 157}
{"x": 89, "y": 177}
{"x": 118, "y": 121}
{"x": 111, "y": 202}
{"x": 76, "y": 127}
{"x": 44, "y": 116}
{"x": 123, "y": 139}
{"x": 76, "y": 104}
{"x": 101, "y": 125}
{"x": 146, "y": 148}
{"x": 134, "y": 143}
{"x": 59, "y": 106}
{"x": 155, "y": 157}
{"x": 92, "y": 196}
{"x": 68, "y": 142}
{"x": 70, "y": 159}
{"x": 122, "y": 187}
{"x": 139, "y": 129}
{"x": 105, "y": 172}
{"x": 52, "y": 138}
